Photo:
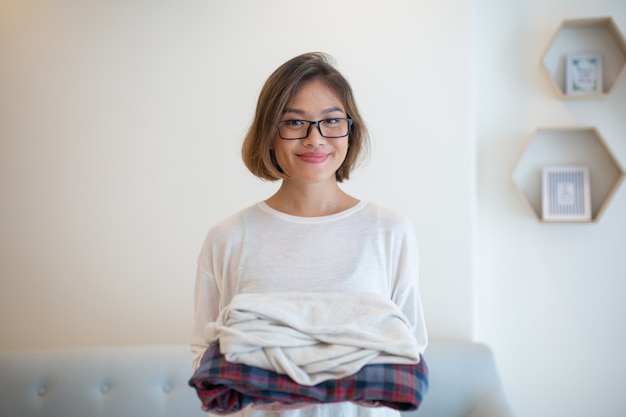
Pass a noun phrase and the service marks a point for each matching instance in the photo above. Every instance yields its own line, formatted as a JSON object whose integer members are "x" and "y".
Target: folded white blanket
{"x": 313, "y": 337}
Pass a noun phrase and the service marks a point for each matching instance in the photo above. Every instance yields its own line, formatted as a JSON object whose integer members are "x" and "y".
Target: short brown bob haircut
{"x": 278, "y": 91}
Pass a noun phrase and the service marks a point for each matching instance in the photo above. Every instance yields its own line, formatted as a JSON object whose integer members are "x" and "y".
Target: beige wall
{"x": 121, "y": 123}
{"x": 549, "y": 298}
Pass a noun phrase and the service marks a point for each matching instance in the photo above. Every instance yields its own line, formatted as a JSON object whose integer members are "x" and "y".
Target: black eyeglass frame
{"x": 319, "y": 129}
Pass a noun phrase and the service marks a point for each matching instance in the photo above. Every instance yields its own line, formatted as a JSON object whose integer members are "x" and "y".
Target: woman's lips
{"x": 313, "y": 157}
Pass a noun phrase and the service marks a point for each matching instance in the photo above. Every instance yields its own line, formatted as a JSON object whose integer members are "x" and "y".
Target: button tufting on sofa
{"x": 153, "y": 381}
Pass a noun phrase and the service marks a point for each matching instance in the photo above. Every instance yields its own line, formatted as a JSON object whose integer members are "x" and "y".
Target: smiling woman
{"x": 314, "y": 155}
{"x": 276, "y": 103}
{"x": 309, "y": 242}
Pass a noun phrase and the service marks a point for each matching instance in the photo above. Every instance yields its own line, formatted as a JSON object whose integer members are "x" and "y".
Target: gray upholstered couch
{"x": 151, "y": 381}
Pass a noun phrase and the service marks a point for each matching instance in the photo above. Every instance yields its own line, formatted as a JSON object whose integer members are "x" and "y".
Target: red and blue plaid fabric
{"x": 225, "y": 387}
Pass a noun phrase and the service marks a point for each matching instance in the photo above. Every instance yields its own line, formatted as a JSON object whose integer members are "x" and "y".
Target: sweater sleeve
{"x": 406, "y": 292}
{"x": 206, "y": 308}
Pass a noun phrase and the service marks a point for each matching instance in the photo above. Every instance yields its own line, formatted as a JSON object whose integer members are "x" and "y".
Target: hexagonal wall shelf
{"x": 580, "y": 146}
{"x": 585, "y": 36}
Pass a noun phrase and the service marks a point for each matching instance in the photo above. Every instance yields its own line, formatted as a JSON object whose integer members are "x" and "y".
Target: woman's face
{"x": 315, "y": 158}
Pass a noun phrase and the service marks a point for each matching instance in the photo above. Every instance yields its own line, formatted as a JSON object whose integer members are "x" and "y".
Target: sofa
{"x": 151, "y": 381}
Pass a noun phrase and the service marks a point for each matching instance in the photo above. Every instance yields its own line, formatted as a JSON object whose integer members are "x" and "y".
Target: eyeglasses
{"x": 299, "y": 129}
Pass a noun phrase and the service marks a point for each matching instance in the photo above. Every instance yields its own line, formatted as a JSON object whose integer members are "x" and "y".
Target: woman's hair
{"x": 278, "y": 91}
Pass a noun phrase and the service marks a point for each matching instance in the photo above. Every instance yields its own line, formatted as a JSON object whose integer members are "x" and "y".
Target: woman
{"x": 310, "y": 236}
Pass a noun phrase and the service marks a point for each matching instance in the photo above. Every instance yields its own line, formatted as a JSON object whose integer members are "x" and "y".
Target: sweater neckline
{"x": 311, "y": 220}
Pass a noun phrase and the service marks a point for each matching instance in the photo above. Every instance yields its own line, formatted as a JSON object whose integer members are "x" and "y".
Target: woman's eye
{"x": 331, "y": 121}
{"x": 294, "y": 122}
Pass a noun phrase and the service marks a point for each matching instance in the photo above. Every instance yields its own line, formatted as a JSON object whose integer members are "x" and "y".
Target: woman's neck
{"x": 312, "y": 200}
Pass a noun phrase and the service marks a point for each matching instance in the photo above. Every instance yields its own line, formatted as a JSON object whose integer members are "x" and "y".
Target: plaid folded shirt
{"x": 225, "y": 387}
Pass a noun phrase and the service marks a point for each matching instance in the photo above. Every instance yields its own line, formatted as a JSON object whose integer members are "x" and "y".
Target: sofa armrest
{"x": 464, "y": 382}
{"x": 493, "y": 404}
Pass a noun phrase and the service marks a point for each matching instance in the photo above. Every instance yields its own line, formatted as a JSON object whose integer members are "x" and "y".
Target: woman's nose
{"x": 314, "y": 137}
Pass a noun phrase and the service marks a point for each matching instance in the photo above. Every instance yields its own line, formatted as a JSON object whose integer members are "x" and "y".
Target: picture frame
{"x": 583, "y": 74}
{"x": 566, "y": 194}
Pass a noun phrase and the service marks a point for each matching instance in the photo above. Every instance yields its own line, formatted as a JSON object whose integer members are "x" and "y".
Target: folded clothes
{"x": 313, "y": 337}
{"x": 224, "y": 387}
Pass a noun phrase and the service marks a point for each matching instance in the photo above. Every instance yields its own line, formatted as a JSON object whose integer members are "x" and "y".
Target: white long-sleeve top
{"x": 366, "y": 248}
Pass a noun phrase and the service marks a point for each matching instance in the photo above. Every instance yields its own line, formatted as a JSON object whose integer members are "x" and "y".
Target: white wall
{"x": 548, "y": 298}
{"x": 120, "y": 127}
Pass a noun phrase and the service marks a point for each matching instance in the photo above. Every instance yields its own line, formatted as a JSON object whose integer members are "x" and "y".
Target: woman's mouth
{"x": 313, "y": 157}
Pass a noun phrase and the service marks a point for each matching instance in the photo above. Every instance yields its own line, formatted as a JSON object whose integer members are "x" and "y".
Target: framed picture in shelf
{"x": 583, "y": 74}
{"x": 566, "y": 194}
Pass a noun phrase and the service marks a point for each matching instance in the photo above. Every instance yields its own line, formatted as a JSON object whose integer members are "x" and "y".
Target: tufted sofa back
{"x": 121, "y": 382}
{"x": 151, "y": 381}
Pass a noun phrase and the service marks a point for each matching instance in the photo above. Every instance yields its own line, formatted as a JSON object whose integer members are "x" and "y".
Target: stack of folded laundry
{"x": 294, "y": 350}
